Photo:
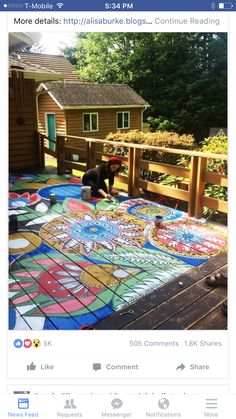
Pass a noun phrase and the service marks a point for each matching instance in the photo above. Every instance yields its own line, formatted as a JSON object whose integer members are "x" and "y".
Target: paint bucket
{"x": 53, "y": 199}
{"x": 86, "y": 192}
{"x": 12, "y": 223}
{"x": 158, "y": 221}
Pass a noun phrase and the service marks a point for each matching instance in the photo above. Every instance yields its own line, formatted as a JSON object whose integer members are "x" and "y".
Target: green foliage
{"x": 70, "y": 54}
{"x": 217, "y": 145}
{"x": 161, "y": 124}
{"x": 183, "y": 76}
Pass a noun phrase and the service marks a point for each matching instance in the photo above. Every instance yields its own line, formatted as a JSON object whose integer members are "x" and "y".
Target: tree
{"x": 183, "y": 76}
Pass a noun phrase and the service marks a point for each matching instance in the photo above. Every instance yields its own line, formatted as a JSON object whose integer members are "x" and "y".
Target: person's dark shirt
{"x": 99, "y": 174}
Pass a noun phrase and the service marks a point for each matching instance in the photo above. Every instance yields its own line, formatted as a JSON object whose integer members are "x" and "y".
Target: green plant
{"x": 161, "y": 124}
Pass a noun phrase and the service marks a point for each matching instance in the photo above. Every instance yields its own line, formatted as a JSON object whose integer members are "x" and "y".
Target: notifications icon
{"x": 97, "y": 366}
{"x": 117, "y": 403}
{"x": 163, "y": 403}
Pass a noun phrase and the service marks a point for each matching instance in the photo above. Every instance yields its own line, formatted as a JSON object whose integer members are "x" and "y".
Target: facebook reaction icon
{"x": 18, "y": 343}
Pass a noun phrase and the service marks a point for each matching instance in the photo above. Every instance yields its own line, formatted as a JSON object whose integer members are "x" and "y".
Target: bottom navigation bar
{"x": 118, "y": 405}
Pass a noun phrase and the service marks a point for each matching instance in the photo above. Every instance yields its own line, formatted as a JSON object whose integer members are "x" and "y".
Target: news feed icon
{"x": 23, "y": 403}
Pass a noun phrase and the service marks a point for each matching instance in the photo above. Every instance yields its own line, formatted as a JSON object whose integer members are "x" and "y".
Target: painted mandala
{"x": 86, "y": 232}
{"x": 189, "y": 238}
{"x": 147, "y": 210}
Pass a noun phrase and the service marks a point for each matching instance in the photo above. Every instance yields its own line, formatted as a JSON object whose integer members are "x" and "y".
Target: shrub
{"x": 158, "y": 138}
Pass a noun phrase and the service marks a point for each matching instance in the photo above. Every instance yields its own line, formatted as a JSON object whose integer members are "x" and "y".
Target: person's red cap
{"x": 115, "y": 160}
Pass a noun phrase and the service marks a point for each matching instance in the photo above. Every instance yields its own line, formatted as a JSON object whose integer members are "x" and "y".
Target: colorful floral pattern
{"x": 86, "y": 232}
{"x": 77, "y": 262}
{"x": 147, "y": 210}
{"x": 18, "y": 201}
{"x": 189, "y": 238}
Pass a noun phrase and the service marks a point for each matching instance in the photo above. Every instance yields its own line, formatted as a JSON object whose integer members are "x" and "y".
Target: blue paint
{"x": 94, "y": 230}
{"x": 12, "y": 318}
{"x": 61, "y": 191}
{"x": 190, "y": 260}
{"x": 75, "y": 322}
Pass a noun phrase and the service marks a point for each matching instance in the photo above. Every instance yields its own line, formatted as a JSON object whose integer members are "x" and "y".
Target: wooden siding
{"x": 23, "y": 148}
{"x": 47, "y": 105}
{"x": 107, "y": 122}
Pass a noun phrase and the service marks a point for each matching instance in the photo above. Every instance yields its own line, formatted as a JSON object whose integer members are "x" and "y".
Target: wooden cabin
{"x": 88, "y": 110}
{"x": 74, "y": 107}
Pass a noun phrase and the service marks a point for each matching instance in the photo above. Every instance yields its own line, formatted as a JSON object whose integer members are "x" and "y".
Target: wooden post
{"x": 193, "y": 186}
{"x": 39, "y": 146}
{"x": 200, "y": 186}
{"x": 130, "y": 171}
{"x": 60, "y": 150}
{"x": 136, "y": 172}
{"x": 91, "y": 154}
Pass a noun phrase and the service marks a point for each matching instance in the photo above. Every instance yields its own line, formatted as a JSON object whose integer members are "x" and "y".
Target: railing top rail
{"x": 149, "y": 147}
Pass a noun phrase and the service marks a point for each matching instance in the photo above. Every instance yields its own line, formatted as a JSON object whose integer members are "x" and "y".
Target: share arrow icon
{"x": 180, "y": 367}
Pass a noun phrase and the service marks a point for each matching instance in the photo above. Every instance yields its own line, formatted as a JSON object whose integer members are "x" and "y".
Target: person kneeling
{"x": 95, "y": 178}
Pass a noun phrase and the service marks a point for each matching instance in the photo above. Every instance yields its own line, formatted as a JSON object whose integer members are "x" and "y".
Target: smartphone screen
{"x": 117, "y": 285}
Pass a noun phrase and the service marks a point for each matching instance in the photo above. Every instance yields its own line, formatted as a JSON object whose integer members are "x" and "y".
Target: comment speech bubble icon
{"x": 97, "y": 366}
{"x": 117, "y": 403}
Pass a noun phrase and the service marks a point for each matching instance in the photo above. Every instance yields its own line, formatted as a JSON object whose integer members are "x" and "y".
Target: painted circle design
{"x": 23, "y": 243}
{"x": 87, "y": 232}
{"x": 189, "y": 238}
{"x": 61, "y": 191}
{"x": 147, "y": 210}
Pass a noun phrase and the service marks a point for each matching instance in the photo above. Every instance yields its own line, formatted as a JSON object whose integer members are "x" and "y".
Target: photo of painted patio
{"x": 96, "y": 264}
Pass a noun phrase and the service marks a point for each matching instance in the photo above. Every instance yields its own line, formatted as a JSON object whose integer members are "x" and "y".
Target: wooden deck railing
{"x": 198, "y": 175}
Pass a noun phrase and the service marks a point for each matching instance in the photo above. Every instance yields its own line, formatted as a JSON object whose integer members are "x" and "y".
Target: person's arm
{"x": 104, "y": 194}
{"x": 111, "y": 183}
{"x": 101, "y": 176}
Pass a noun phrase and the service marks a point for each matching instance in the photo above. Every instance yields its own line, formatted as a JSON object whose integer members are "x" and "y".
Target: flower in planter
{"x": 25, "y": 200}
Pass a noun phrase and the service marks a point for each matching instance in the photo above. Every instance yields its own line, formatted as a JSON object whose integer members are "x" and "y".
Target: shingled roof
{"x": 56, "y": 63}
{"x": 32, "y": 71}
{"x": 78, "y": 95}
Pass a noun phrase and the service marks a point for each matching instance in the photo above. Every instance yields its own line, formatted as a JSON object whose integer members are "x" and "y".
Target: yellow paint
{"x": 23, "y": 243}
{"x": 100, "y": 276}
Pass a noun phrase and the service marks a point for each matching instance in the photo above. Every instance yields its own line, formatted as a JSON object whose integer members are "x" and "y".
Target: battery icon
{"x": 226, "y": 6}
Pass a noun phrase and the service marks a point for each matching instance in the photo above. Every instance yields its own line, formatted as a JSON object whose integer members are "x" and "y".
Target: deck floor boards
{"x": 79, "y": 264}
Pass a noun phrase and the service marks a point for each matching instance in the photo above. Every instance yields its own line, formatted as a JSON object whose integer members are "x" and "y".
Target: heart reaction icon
{"x": 27, "y": 343}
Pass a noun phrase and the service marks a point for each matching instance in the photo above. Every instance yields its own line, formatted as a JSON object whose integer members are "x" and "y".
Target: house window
{"x": 90, "y": 122}
{"x": 123, "y": 120}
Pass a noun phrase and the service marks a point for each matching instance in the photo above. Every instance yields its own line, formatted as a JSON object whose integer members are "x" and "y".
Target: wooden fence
{"x": 197, "y": 175}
